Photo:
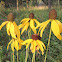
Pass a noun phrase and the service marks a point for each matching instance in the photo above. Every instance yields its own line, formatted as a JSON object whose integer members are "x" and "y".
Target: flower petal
{"x": 25, "y": 19}
{"x": 32, "y": 26}
{"x": 45, "y": 24}
{"x": 60, "y": 25}
{"x": 25, "y": 27}
{"x": 12, "y": 46}
{"x": 42, "y": 44}
{"x": 55, "y": 29}
{"x": 33, "y": 49}
{"x": 26, "y": 41}
{"x": 20, "y": 43}
{"x": 8, "y": 28}
{"x": 16, "y": 45}
{"x": 36, "y": 21}
{"x": 41, "y": 47}
{"x": 3, "y": 24}
{"x": 9, "y": 44}
{"x": 16, "y": 30}
{"x": 28, "y": 44}
{"x": 12, "y": 31}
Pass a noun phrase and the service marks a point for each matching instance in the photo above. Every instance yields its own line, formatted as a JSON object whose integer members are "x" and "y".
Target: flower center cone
{"x": 53, "y": 14}
{"x": 36, "y": 37}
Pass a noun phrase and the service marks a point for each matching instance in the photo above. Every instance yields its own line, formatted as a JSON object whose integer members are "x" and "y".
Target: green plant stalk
{"x": 29, "y": 34}
{"x": 48, "y": 45}
{"x": 13, "y": 56}
{"x": 13, "y": 52}
{"x": 33, "y": 58}
{"x": 10, "y": 51}
{"x": 1, "y": 53}
{"x": 0, "y": 58}
{"x": 17, "y": 56}
{"x": 26, "y": 55}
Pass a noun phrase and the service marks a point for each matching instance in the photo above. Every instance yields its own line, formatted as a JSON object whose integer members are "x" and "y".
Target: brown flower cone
{"x": 31, "y": 16}
{"x": 53, "y": 14}
{"x": 36, "y": 37}
{"x": 10, "y": 17}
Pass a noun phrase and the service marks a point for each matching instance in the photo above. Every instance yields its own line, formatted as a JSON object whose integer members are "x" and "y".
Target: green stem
{"x": 13, "y": 56}
{"x": 26, "y": 55}
{"x": 0, "y": 58}
{"x": 48, "y": 45}
{"x": 27, "y": 50}
{"x": 17, "y": 56}
{"x": 13, "y": 51}
{"x": 33, "y": 58}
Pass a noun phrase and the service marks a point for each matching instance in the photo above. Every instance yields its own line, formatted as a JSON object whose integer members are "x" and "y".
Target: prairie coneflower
{"x": 15, "y": 43}
{"x": 36, "y": 44}
{"x": 56, "y": 25}
{"x": 26, "y": 22}
{"x": 11, "y": 26}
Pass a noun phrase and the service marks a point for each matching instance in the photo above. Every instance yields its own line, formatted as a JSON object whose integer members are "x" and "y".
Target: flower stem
{"x": 13, "y": 56}
{"x": 26, "y": 55}
{"x": 27, "y": 50}
{"x": 33, "y": 58}
{"x": 48, "y": 45}
{"x": 13, "y": 51}
{"x": 17, "y": 56}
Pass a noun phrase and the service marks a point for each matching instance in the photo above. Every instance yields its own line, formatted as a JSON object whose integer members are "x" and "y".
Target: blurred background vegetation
{"x": 21, "y": 9}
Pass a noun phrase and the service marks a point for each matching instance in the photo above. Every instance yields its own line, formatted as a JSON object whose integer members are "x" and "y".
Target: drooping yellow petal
{"x": 27, "y": 26}
{"x": 60, "y": 25}
{"x": 32, "y": 26}
{"x": 55, "y": 29}
{"x": 28, "y": 44}
{"x": 20, "y": 26}
{"x": 45, "y": 24}
{"x": 9, "y": 44}
{"x": 34, "y": 45}
{"x": 16, "y": 30}
{"x": 20, "y": 43}
{"x": 3, "y": 24}
{"x": 26, "y": 41}
{"x": 40, "y": 28}
{"x": 12, "y": 46}
{"x": 36, "y": 21}
{"x": 12, "y": 31}
{"x": 8, "y": 28}
{"x": 40, "y": 46}
{"x": 24, "y": 28}
{"x": 25, "y": 19}
{"x": 16, "y": 45}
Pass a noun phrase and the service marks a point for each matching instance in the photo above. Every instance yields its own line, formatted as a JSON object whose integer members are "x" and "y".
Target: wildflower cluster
{"x": 35, "y": 43}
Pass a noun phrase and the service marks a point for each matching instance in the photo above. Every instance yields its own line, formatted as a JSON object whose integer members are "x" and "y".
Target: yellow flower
{"x": 28, "y": 22}
{"x": 36, "y": 44}
{"x": 11, "y": 26}
{"x": 15, "y": 43}
{"x": 56, "y": 25}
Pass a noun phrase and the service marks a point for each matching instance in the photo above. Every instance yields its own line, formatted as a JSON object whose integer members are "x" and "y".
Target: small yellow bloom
{"x": 36, "y": 44}
{"x": 56, "y": 25}
{"x": 11, "y": 26}
{"x": 28, "y": 22}
{"x": 15, "y": 43}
